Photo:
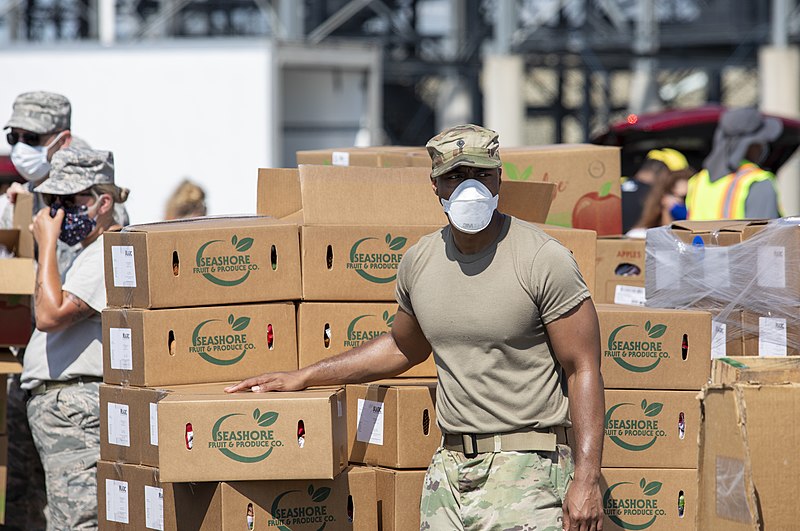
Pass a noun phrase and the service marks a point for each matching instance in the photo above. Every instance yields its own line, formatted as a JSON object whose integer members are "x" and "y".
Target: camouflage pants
{"x": 520, "y": 491}
{"x": 25, "y": 493}
{"x": 65, "y": 423}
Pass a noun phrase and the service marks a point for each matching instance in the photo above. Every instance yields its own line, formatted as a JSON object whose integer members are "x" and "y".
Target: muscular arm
{"x": 382, "y": 357}
{"x": 575, "y": 339}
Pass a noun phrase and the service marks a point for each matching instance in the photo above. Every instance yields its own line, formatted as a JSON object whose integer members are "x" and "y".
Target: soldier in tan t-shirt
{"x": 507, "y": 315}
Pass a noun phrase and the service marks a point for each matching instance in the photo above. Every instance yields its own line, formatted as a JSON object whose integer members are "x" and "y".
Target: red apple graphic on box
{"x": 599, "y": 211}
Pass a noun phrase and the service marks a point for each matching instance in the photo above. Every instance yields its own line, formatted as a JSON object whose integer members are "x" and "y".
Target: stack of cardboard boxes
{"x": 17, "y": 279}
{"x": 743, "y": 271}
{"x": 653, "y": 362}
{"x": 189, "y": 306}
{"x": 748, "y": 445}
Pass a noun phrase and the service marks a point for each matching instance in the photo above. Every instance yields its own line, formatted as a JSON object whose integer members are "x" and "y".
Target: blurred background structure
{"x": 214, "y": 88}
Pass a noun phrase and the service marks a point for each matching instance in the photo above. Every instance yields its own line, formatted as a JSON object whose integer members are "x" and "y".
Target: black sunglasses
{"x": 65, "y": 200}
{"x": 32, "y": 139}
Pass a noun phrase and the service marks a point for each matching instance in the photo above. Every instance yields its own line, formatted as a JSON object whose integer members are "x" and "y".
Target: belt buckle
{"x": 474, "y": 443}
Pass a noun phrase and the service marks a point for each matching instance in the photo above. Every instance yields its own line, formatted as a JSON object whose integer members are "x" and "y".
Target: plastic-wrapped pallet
{"x": 751, "y": 287}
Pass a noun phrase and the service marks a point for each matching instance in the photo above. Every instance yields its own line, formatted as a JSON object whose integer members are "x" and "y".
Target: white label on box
{"x": 630, "y": 295}
{"x": 117, "y": 501}
{"x": 154, "y": 508}
{"x": 121, "y": 348}
{"x": 119, "y": 426}
{"x": 370, "y": 422}
{"x": 667, "y": 270}
{"x": 719, "y": 335}
{"x": 772, "y": 267}
{"x": 716, "y": 267}
{"x": 771, "y": 337}
{"x": 340, "y": 158}
{"x": 123, "y": 266}
{"x": 153, "y": 424}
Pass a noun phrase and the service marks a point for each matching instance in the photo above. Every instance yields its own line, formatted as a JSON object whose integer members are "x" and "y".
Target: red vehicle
{"x": 690, "y": 131}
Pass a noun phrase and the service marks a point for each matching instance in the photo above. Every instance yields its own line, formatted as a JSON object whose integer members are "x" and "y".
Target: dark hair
{"x": 652, "y": 210}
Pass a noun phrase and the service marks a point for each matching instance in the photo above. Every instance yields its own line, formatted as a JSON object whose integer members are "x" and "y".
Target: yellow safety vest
{"x": 724, "y": 198}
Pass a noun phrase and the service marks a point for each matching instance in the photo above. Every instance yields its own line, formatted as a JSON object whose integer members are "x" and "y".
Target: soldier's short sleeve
{"x": 558, "y": 285}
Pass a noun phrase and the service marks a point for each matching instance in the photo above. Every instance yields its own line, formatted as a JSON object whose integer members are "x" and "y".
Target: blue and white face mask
{"x": 77, "y": 223}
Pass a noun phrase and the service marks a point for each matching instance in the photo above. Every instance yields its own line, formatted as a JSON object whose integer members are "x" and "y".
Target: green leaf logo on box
{"x": 366, "y": 327}
{"x": 634, "y": 429}
{"x": 301, "y": 510}
{"x": 632, "y": 508}
{"x": 377, "y": 262}
{"x": 214, "y": 342}
{"x": 225, "y": 264}
{"x": 633, "y": 352}
{"x": 513, "y": 173}
{"x": 242, "y": 439}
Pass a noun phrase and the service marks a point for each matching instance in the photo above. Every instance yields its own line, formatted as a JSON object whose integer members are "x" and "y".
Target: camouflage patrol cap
{"x": 75, "y": 170}
{"x": 463, "y": 145}
{"x": 41, "y": 112}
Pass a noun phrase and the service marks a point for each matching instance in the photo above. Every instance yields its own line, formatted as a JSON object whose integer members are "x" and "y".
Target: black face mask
{"x": 76, "y": 225}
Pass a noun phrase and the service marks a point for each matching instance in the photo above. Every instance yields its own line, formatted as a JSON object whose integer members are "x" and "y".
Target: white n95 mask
{"x": 31, "y": 161}
{"x": 470, "y": 206}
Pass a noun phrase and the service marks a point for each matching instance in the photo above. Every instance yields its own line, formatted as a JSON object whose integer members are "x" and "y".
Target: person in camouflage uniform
{"x": 62, "y": 368}
{"x": 510, "y": 322}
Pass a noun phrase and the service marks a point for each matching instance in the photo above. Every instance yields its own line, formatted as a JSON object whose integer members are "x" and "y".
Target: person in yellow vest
{"x": 732, "y": 185}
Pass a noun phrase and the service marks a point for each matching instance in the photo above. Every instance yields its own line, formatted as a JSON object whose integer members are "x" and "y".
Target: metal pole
{"x": 106, "y": 18}
{"x": 291, "y": 16}
{"x": 780, "y": 23}
{"x": 505, "y": 26}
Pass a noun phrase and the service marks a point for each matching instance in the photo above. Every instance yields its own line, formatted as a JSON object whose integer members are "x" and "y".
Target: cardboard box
{"x": 17, "y": 281}
{"x": 392, "y": 424}
{"x": 587, "y": 179}
{"x": 655, "y": 499}
{"x": 772, "y": 333}
{"x": 710, "y": 269}
{"x": 399, "y": 494}
{"x": 355, "y": 229}
{"x": 133, "y": 497}
{"x": 620, "y": 271}
{"x": 755, "y": 370}
{"x": 23, "y": 219}
{"x": 652, "y": 348}
{"x": 194, "y": 345}
{"x": 374, "y": 156}
{"x": 205, "y": 261}
{"x": 129, "y": 424}
{"x": 643, "y": 429}
{"x": 9, "y": 364}
{"x": 748, "y": 457}
{"x": 325, "y": 329}
{"x": 727, "y": 333}
{"x": 213, "y": 436}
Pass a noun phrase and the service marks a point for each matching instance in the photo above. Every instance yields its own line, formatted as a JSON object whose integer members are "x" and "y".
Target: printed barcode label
{"x": 119, "y": 427}
{"x": 772, "y": 267}
{"x": 771, "y": 337}
{"x": 121, "y": 348}
{"x": 340, "y": 158}
{"x": 154, "y": 508}
{"x": 117, "y": 501}
{"x": 719, "y": 335}
{"x": 630, "y": 295}
{"x": 123, "y": 266}
{"x": 370, "y": 422}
